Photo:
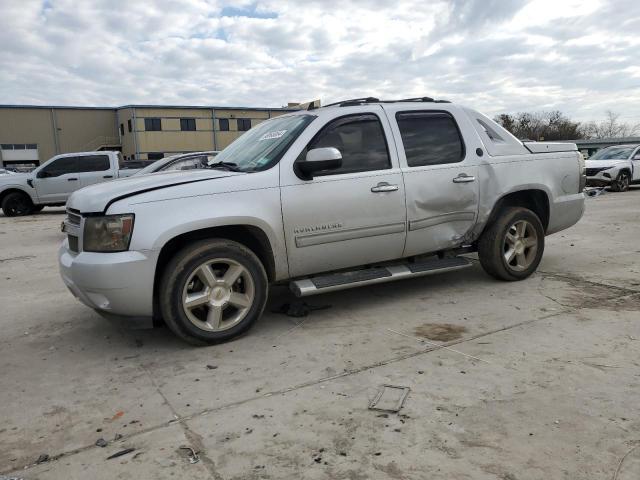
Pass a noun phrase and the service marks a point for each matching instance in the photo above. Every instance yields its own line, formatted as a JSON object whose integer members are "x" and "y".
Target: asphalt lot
{"x": 554, "y": 396}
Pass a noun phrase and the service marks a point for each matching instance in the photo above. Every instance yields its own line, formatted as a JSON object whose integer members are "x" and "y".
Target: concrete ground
{"x": 554, "y": 394}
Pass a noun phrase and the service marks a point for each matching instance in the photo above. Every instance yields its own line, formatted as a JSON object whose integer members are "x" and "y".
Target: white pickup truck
{"x": 361, "y": 192}
{"x": 52, "y": 182}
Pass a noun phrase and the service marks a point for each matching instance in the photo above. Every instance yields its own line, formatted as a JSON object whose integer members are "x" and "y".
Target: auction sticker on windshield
{"x": 272, "y": 135}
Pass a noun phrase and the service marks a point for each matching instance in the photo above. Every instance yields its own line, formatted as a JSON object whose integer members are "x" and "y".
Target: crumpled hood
{"x": 95, "y": 198}
{"x": 605, "y": 163}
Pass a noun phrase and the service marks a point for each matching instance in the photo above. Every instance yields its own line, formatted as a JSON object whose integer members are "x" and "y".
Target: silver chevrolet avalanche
{"x": 360, "y": 192}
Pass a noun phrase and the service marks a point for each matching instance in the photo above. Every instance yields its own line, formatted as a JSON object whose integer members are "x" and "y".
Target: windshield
{"x": 613, "y": 153}
{"x": 263, "y": 146}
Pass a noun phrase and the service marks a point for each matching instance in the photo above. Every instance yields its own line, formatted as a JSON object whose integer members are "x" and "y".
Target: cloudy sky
{"x": 582, "y": 57}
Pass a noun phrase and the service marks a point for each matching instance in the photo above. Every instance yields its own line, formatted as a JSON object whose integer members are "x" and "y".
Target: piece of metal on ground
{"x": 389, "y": 398}
{"x": 193, "y": 455}
{"x": 121, "y": 453}
{"x": 438, "y": 345}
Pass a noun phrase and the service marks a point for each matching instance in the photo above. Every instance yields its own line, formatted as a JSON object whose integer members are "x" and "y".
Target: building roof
{"x": 606, "y": 141}
{"x": 216, "y": 107}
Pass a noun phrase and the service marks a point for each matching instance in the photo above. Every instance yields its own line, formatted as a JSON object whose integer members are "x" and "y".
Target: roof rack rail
{"x": 354, "y": 101}
{"x": 416, "y": 99}
{"x": 360, "y": 101}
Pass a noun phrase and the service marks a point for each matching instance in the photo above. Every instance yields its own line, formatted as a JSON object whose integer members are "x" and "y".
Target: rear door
{"x": 94, "y": 169}
{"x": 57, "y": 180}
{"x": 440, "y": 174}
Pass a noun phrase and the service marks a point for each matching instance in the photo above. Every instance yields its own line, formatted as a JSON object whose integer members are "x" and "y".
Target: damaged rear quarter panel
{"x": 555, "y": 174}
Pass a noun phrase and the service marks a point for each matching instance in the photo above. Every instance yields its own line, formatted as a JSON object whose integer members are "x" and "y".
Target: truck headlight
{"x": 109, "y": 233}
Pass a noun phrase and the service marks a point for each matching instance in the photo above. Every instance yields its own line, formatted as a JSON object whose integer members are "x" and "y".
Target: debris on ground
{"x": 117, "y": 437}
{"x": 121, "y": 453}
{"x": 594, "y": 192}
{"x": 117, "y": 415}
{"x": 101, "y": 442}
{"x": 389, "y": 398}
{"x": 211, "y": 367}
{"x": 192, "y": 455}
{"x": 298, "y": 309}
{"x": 43, "y": 458}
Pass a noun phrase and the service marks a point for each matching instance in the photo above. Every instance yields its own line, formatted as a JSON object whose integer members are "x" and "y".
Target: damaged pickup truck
{"x": 356, "y": 193}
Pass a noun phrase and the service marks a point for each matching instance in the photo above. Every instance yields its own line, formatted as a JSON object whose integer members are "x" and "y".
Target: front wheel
{"x": 622, "y": 182}
{"x": 213, "y": 291}
{"x": 511, "y": 248}
{"x": 17, "y": 204}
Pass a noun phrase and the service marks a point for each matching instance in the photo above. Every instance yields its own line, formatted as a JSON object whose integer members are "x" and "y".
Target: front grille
{"x": 73, "y": 216}
{"x": 592, "y": 172}
{"x": 73, "y": 243}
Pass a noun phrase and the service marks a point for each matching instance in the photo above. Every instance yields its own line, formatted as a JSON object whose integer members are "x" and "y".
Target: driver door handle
{"x": 384, "y": 187}
{"x": 464, "y": 178}
{"x": 71, "y": 179}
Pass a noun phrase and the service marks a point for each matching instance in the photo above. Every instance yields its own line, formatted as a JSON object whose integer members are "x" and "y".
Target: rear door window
{"x": 430, "y": 138}
{"x": 94, "y": 163}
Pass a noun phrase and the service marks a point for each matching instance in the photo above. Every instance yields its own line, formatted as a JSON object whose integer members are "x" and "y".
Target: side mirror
{"x": 636, "y": 156}
{"x": 319, "y": 159}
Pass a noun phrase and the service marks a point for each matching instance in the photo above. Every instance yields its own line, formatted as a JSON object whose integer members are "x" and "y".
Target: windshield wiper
{"x": 233, "y": 167}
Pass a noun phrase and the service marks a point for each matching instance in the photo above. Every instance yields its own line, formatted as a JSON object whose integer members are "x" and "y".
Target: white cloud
{"x": 497, "y": 55}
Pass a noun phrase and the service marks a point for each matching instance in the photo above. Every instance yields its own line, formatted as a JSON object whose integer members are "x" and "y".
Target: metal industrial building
{"x": 33, "y": 134}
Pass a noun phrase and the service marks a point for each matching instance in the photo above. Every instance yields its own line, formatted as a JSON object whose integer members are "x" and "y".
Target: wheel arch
{"x": 535, "y": 199}
{"x": 10, "y": 190}
{"x": 251, "y": 236}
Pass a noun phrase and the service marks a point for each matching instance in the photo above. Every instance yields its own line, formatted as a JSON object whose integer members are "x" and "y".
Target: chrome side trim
{"x": 438, "y": 219}
{"x": 348, "y": 234}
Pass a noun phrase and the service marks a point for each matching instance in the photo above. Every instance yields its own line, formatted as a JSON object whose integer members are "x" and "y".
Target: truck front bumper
{"x": 118, "y": 284}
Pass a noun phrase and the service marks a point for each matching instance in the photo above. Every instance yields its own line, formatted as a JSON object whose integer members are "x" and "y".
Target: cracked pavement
{"x": 555, "y": 395}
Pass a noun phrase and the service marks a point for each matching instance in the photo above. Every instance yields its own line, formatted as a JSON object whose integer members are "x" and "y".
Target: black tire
{"x": 493, "y": 244}
{"x": 37, "y": 208}
{"x": 622, "y": 182}
{"x": 17, "y": 204}
{"x": 182, "y": 267}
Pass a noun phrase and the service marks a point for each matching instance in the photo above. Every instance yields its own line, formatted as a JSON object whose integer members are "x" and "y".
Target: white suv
{"x": 617, "y": 167}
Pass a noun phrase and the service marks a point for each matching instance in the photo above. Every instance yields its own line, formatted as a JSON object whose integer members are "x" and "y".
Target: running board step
{"x": 356, "y": 278}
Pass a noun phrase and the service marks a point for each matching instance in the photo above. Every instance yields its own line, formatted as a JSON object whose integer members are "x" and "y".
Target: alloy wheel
{"x": 623, "y": 182}
{"x": 520, "y": 245}
{"x": 218, "y": 294}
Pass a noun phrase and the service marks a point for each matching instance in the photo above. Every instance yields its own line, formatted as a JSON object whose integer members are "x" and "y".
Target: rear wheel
{"x": 511, "y": 248}
{"x": 622, "y": 182}
{"x": 213, "y": 291}
{"x": 17, "y": 204}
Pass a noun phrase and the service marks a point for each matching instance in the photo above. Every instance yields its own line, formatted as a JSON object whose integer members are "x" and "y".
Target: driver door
{"x": 57, "y": 180}
{"x": 354, "y": 215}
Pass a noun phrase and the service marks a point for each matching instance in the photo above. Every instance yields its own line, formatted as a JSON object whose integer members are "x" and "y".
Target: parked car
{"x": 182, "y": 161}
{"x": 51, "y": 183}
{"x": 352, "y": 194}
{"x": 617, "y": 167}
